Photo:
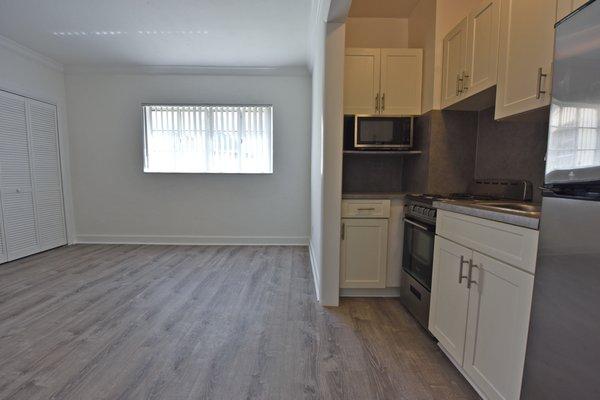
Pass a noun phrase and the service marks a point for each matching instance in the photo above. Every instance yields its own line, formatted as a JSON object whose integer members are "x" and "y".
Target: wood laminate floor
{"x": 177, "y": 322}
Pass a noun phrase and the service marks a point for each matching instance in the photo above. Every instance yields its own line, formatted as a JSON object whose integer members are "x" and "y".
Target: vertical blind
{"x": 208, "y": 139}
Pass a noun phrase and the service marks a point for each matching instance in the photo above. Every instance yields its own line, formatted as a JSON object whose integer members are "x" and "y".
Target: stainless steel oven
{"x": 417, "y": 261}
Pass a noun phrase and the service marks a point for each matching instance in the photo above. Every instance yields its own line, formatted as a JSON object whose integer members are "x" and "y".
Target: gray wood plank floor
{"x": 194, "y": 322}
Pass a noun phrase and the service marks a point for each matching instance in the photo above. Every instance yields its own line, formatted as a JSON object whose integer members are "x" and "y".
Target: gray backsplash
{"x": 513, "y": 149}
{"x": 447, "y": 140}
{"x": 372, "y": 173}
{"x": 457, "y": 147}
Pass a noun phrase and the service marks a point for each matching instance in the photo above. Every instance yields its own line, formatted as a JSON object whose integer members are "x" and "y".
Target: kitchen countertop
{"x": 371, "y": 195}
{"x": 467, "y": 207}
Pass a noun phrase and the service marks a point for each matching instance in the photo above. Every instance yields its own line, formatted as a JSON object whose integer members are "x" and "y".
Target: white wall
{"x": 317, "y": 64}
{"x": 377, "y": 32}
{"x": 27, "y": 73}
{"x": 421, "y": 34}
{"x": 327, "y": 66}
{"x": 332, "y": 162}
{"x": 116, "y": 202}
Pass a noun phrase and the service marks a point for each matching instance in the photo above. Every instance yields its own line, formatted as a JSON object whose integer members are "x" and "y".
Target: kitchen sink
{"x": 528, "y": 208}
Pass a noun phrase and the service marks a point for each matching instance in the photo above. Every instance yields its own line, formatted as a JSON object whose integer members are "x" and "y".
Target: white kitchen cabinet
{"x": 480, "y": 305}
{"x": 363, "y": 258}
{"x": 497, "y": 327}
{"x": 449, "y": 296}
{"x": 482, "y": 48}
{"x": 454, "y": 64}
{"x": 470, "y": 59}
{"x": 383, "y": 81}
{"x": 565, "y": 7}
{"x": 401, "y": 81}
{"x": 526, "y": 48}
{"x": 361, "y": 81}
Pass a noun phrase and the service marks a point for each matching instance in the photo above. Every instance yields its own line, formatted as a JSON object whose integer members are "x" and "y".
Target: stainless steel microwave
{"x": 377, "y": 132}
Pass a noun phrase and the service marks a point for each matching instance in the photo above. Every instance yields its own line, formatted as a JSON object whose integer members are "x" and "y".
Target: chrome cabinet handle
{"x": 464, "y": 81}
{"x": 457, "y": 84}
{"x": 343, "y": 233}
{"x": 541, "y": 75}
{"x": 383, "y": 102}
{"x": 460, "y": 273}
{"x": 377, "y": 102}
{"x": 366, "y": 209}
{"x": 469, "y": 280}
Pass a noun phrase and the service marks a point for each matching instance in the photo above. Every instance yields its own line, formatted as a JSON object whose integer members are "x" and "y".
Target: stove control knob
{"x": 432, "y": 213}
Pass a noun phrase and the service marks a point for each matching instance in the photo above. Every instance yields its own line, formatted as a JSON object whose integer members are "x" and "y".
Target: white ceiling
{"x": 161, "y": 32}
{"x": 382, "y": 8}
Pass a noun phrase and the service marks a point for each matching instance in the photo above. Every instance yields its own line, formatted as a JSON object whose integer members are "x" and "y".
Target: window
{"x": 208, "y": 139}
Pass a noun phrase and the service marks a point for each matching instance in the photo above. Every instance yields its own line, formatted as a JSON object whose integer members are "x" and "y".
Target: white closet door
{"x": 43, "y": 137}
{"x": 16, "y": 189}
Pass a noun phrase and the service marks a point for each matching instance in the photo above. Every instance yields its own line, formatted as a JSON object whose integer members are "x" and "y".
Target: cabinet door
{"x": 482, "y": 47}
{"x": 449, "y": 296}
{"x": 401, "y": 81}
{"x": 499, "y": 308}
{"x": 363, "y": 253}
{"x": 46, "y": 174}
{"x": 16, "y": 188}
{"x": 525, "y": 56}
{"x": 453, "y": 63}
{"x": 361, "y": 81}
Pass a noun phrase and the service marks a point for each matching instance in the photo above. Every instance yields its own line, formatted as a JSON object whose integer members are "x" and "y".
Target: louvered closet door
{"x": 16, "y": 186}
{"x": 43, "y": 136}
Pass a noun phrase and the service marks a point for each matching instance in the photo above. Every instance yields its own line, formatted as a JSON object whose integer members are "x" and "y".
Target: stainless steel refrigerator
{"x": 563, "y": 351}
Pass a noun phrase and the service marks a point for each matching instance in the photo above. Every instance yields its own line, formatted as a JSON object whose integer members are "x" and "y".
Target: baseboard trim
{"x": 384, "y": 292}
{"x": 315, "y": 271}
{"x": 194, "y": 240}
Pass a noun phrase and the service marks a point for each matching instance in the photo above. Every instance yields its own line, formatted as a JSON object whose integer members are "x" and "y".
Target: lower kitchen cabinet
{"x": 449, "y": 296}
{"x": 363, "y": 253}
{"x": 480, "y": 306}
{"x": 497, "y": 326}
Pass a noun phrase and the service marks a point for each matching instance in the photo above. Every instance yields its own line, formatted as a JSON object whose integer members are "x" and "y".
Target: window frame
{"x": 166, "y": 104}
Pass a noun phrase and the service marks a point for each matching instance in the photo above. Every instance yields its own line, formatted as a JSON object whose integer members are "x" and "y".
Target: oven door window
{"x": 418, "y": 252}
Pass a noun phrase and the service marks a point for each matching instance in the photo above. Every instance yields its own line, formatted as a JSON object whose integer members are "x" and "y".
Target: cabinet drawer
{"x": 512, "y": 244}
{"x": 365, "y": 208}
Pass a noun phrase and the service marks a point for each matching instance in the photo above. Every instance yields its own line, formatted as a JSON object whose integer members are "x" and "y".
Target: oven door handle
{"x": 420, "y": 226}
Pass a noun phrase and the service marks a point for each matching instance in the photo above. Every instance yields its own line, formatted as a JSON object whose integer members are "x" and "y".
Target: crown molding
{"x": 186, "y": 70}
{"x": 31, "y": 54}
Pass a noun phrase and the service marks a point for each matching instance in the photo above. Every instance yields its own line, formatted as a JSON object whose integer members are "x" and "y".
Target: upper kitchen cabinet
{"x": 566, "y": 7}
{"x": 482, "y": 47}
{"x": 401, "y": 77}
{"x": 383, "y": 81}
{"x": 454, "y": 63}
{"x": 470, "y": 62}
{"x": 361, "y": 81}
{"x": 525, "y": 56}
